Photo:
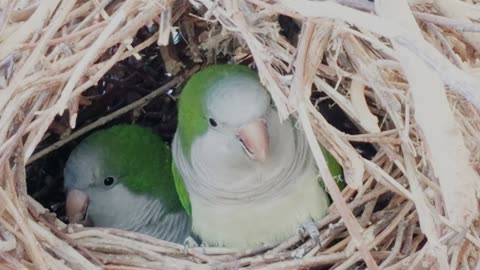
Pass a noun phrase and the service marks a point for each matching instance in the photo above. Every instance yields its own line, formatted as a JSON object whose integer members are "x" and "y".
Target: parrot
{"x": 245, "y": 177}
{"x": 121, "y": 177}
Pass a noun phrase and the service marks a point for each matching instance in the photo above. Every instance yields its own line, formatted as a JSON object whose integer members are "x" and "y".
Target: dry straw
{"x": 404, "y": 73}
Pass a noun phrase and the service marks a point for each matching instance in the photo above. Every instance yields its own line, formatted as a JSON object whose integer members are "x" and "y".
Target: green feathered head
{"x": 205, "y": 96}
{"x": 129, "y": 155}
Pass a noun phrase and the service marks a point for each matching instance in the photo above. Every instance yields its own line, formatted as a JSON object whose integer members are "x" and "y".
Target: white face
{"x": 237, "y": 101}
{"x": 84, "y": 169}
{"x": 109, "y": 202}
{"x": 116, "y": 207}
{"x": 232, "y": 105}
{"x": 222, "y": 157}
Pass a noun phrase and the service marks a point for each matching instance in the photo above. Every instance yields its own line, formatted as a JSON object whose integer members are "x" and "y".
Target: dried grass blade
{"x": 357, "y": 97}
{"x": 299, "y": 88}
{"x": 32, "y": 246}
{"x": 460, "y": 11}
{"x": 448, "y": 155}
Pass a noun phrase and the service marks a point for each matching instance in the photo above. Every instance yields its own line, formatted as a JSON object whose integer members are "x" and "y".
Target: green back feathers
{"x": 181, "y": 190}
{"x": 335, "y": 169}
{"x": 140, "y": 159}
{"x": 192, "y": 115}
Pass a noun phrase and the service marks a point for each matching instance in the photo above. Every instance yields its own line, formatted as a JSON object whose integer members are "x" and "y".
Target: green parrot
{"x": 245, "y": 177}
{"x": 121, "y": 177}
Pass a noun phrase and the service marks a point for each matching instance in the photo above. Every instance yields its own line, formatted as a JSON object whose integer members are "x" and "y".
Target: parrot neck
{"x": 219, "y": 180}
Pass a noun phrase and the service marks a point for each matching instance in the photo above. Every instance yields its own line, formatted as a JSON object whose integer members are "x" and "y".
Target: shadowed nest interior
{"x": 390, "y": 89}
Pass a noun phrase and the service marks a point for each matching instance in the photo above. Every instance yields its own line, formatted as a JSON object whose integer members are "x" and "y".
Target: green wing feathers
{"x": 181, "y": 190}
{"x": 335, "y": 169}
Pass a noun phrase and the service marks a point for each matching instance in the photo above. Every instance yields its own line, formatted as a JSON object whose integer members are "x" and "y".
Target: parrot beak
{"x": 253, "y": 137}
{"x": 76, "y": 206}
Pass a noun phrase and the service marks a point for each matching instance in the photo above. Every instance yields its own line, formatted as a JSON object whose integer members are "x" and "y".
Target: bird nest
{"x": 401, "y": 79}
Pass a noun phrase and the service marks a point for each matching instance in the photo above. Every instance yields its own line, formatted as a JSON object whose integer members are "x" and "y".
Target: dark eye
{"x": 212, "y": 122}
{"x": 108, "y": 181}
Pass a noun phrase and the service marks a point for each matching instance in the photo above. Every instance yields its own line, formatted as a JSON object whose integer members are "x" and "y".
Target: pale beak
{"x": 253, "y": 137}
{"x": 76, "y": 206}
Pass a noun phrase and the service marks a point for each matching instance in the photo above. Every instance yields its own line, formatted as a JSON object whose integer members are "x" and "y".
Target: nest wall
{"x": 403, "y": 74}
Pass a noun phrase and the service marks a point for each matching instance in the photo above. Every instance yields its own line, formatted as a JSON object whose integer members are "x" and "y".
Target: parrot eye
{"x": 212, "y": 122}
{"x": 108, "y": 181}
